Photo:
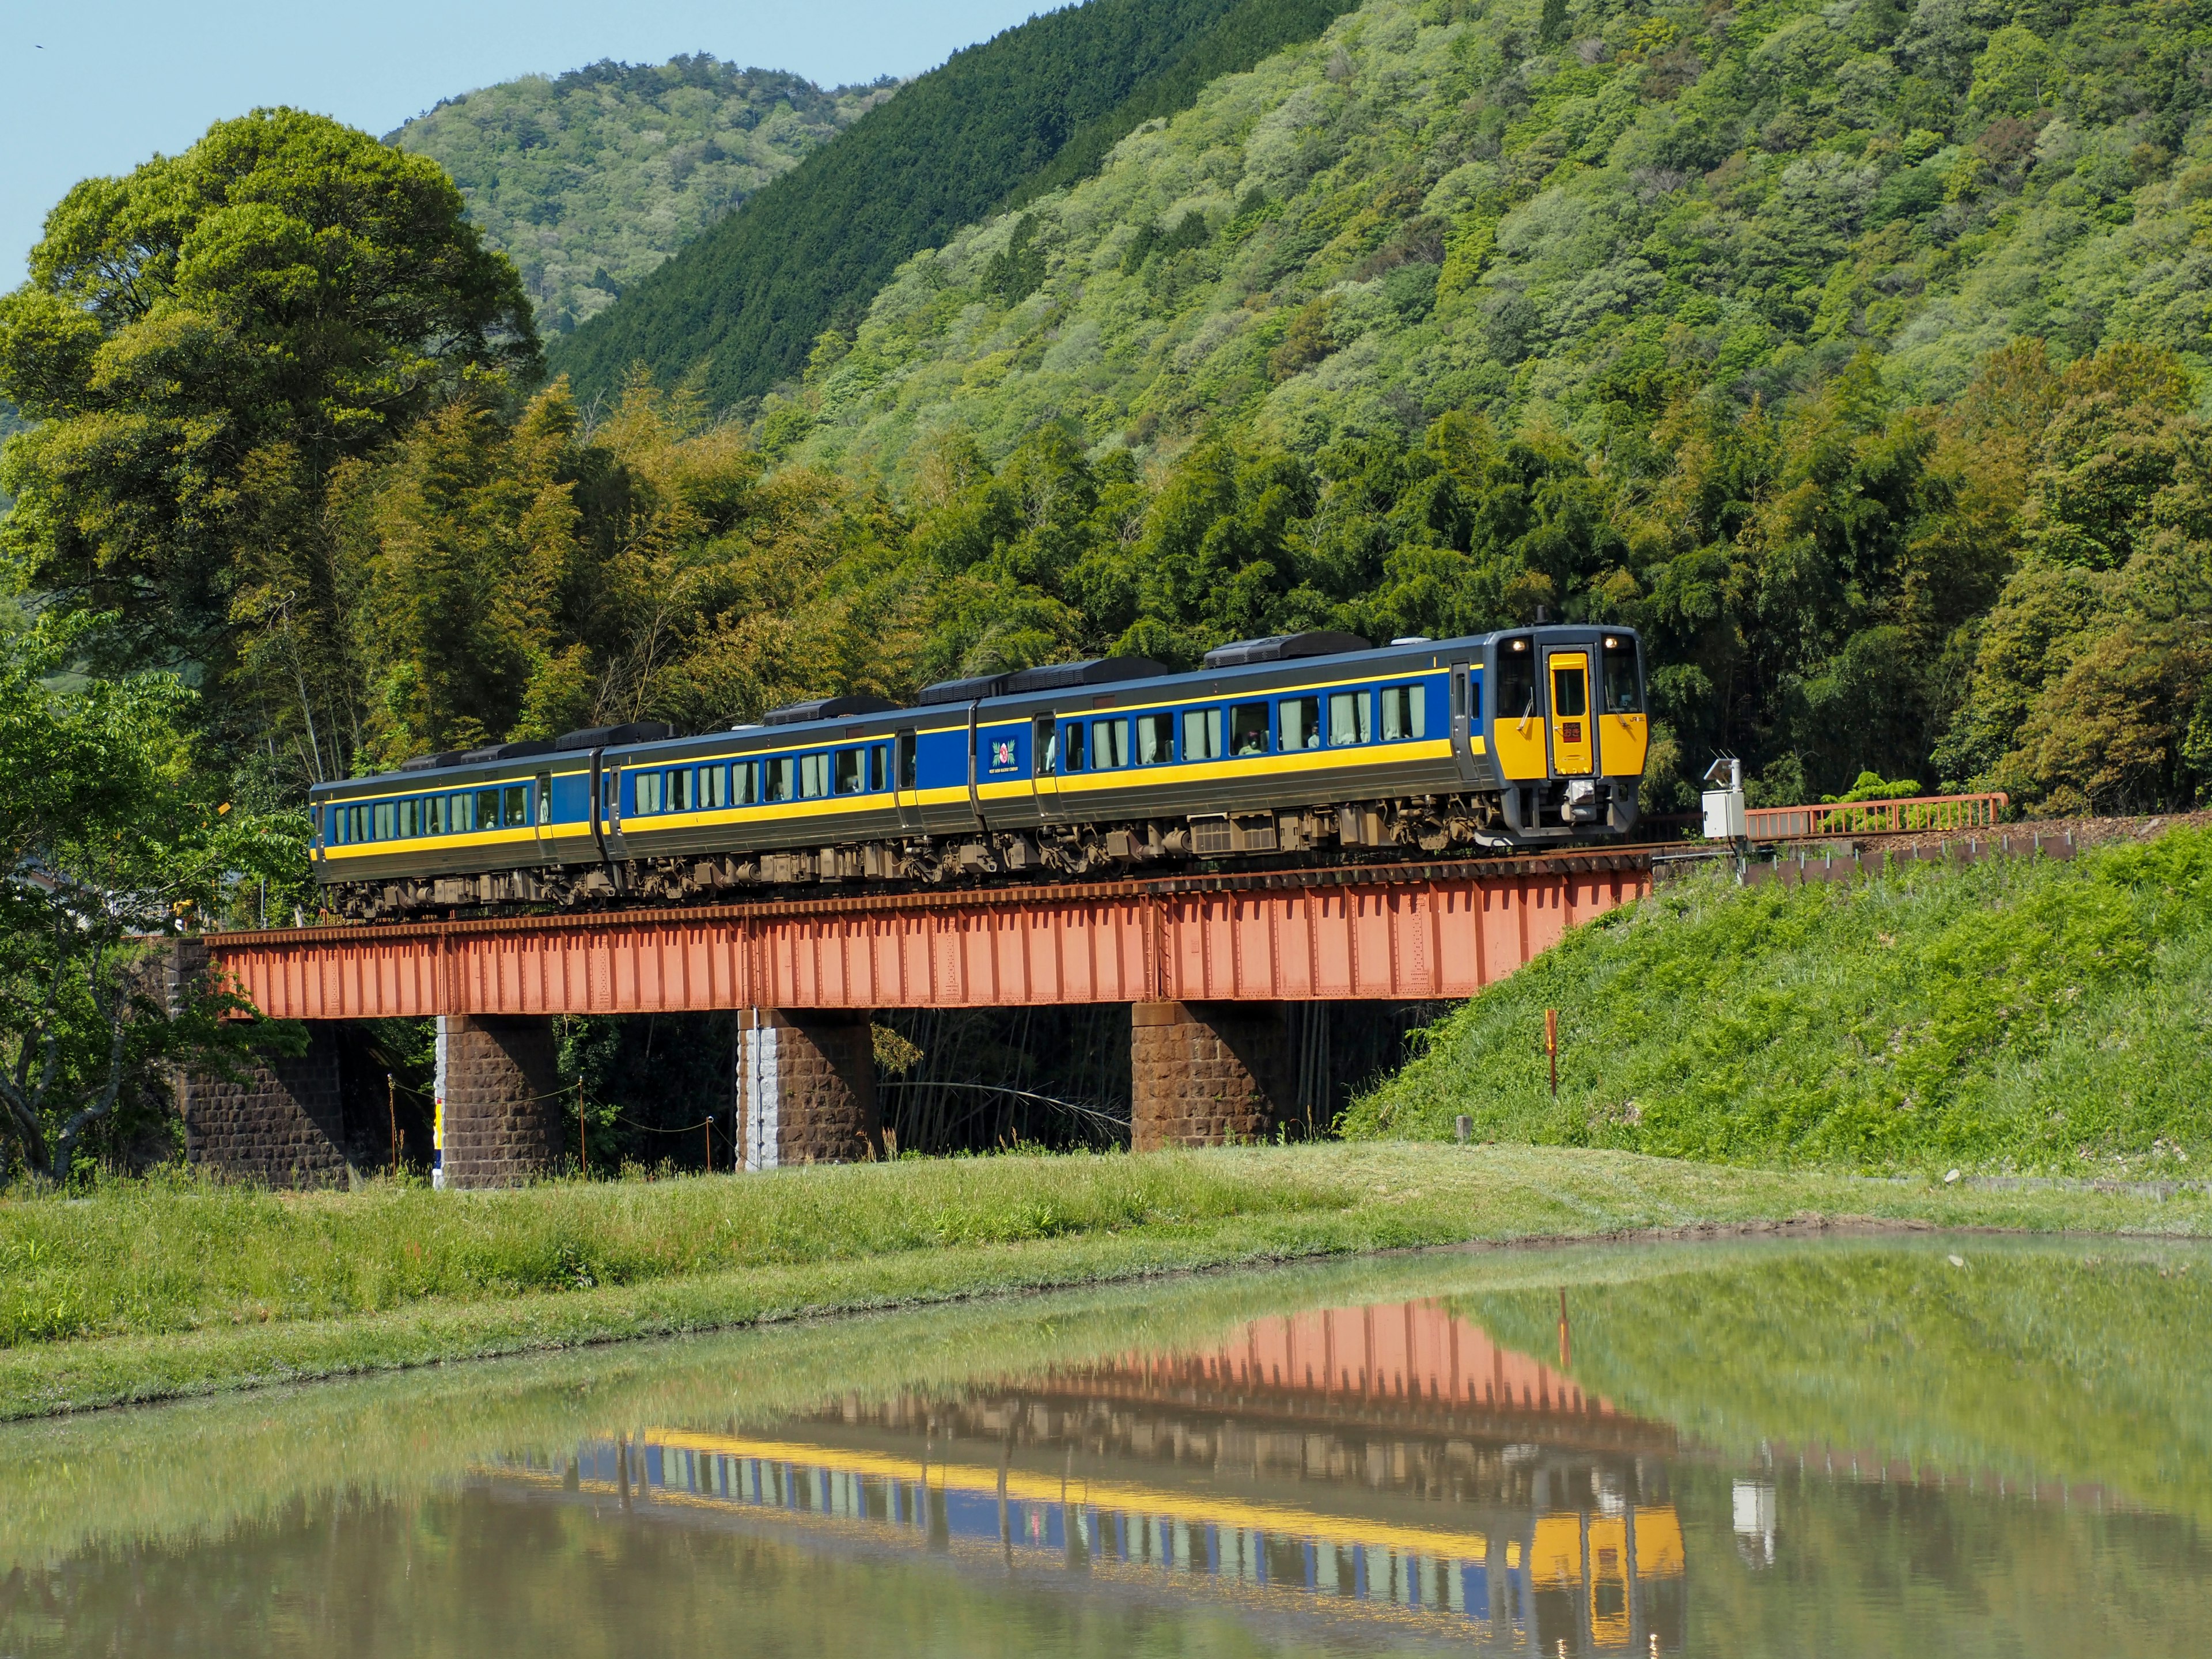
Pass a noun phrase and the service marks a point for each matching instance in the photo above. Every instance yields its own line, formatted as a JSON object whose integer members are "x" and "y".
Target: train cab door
{"x": 1466, "y": 722}
{"x": 905, "y": 779}
{"x": 1574, "y": 745}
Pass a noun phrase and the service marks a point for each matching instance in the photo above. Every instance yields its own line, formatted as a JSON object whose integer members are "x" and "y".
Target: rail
{"x": 1875, "y": 817}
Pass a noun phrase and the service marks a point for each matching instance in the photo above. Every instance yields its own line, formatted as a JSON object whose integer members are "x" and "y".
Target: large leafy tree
{"x": 202, "y": 343}
{"x": 107, "y": 842}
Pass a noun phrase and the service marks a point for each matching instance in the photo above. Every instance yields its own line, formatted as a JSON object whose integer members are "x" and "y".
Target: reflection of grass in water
{"x": 2081, "y": 1363}
{"x": 195, "y": 1469}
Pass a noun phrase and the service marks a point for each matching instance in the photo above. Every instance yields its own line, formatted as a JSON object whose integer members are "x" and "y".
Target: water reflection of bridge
{"x": 1386, "y": 1463}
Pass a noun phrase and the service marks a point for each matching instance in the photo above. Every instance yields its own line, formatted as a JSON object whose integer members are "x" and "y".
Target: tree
{"x": 202, "y": 343}
{"x": 104, "y": 843}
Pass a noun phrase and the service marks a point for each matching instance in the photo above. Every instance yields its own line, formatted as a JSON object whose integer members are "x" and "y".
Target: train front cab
{"x": 1600, "y": 1583}
{"x": 1565, "y": 728}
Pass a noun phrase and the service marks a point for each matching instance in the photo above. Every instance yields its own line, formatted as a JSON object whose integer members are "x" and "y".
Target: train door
{"x": 906, "y": 781}
{"x": 1573, "y": 746}
{"x": 1045, "y": 766}
{"x": 1466, "y": 720}
{"x": 541, "y": 790}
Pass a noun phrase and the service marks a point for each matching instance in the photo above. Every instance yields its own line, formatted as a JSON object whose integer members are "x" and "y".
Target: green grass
{"x": 2014, "y": 1015}
{"x": 150, "y": 1291}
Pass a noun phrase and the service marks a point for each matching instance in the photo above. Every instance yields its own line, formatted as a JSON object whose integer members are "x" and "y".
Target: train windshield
{"x": 1623, "y": 693}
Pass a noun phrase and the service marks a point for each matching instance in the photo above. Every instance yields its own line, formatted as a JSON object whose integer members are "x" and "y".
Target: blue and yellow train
{"x": 1307, "y": 746}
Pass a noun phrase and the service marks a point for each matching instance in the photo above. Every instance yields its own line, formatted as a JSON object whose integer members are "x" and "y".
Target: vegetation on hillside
{"x": 588, "y": 180}
{"x": 2016, "y": 1014}
{"x": 740, "y": 308}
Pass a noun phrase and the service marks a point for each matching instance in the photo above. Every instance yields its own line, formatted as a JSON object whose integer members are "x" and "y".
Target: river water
{"x": 1872, "y": 1446}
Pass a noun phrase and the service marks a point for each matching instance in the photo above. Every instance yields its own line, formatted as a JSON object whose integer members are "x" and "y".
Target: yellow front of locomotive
{"x": 1568, "y": 730}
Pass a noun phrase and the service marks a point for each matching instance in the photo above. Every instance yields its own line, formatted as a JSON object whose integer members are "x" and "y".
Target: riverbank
{"x": 150, "y": 1291}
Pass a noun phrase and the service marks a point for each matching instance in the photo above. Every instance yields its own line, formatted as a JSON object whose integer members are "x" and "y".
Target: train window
{"x": 1071, "y": 746}
{"x": 1248, "y": 729}
{"x": 461, "y": 813}
{"x": 1474, "y": 698}
{"x": 879, "y": 766}
{"x": 387, "y": 821}
{"x": 648, "y": 794}
{"x": 782, "y": 777}
{"x": 1109, "y": 744}
{"x": 1517, "y": 681}
{"x": 845, "y": 764}
{"x": 813, "y": 777}
{"x": 1201, "y": 734}
{"x": 1404, "y": 711}
{"x": 1622, "y": 696}
{"x": 744, "y": 788}
{"x": 436, "y": 809}
{"x": 906, "y": 769}
{"x": 487, "y": 808}
{"x": 713, "y": 788}
{"x": 409, "y": 824}
{"x": 1300, "y": 720}
{"x": 676, "y": 790}
{"x": 545, "y": 800}
{"x": 515, "y": 804}
{"x": 1155, "y": 739}
{"x": 1350, "y": 717}
{"x": 1570, "y": 690}
{"x": 1044, "y": 744}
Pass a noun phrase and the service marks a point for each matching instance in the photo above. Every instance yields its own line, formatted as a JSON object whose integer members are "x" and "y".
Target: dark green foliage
{"x": 742, "y": 305}
{"x": 1018, "y": 271}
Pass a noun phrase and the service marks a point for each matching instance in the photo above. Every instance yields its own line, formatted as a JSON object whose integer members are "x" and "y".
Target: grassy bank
{"x": 145, "y": 1291}
{"x": 2016, "y": 1015}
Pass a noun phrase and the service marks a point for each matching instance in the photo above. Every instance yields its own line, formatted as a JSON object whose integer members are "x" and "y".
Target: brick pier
{"x": 282, "y": 1122}
{"x": 500, "y": 1099}
{"x": 1205, "y": 1073}
{"x": 805, "y": 1089}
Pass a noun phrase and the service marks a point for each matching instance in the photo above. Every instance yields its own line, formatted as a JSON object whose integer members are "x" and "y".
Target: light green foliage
{"x": 1594, "y": 219}
{"x": 2014, "y": 1014}
{"x": 588, "y": 180}
{"x": 105, "y": 837}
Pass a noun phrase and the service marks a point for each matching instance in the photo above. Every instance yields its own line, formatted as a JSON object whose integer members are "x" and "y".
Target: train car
{"x": 1303, "y": 746}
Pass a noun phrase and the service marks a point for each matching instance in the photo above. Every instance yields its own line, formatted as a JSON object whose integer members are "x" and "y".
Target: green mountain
{"x": 740, "y": 308}
{"x": 588, "y": 180}
{"x": 1587, "y": 210}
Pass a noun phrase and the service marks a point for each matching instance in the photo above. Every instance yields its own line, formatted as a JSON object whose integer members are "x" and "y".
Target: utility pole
{"x": 1552, "y": 1046}
{"x": 391, "y": 1108}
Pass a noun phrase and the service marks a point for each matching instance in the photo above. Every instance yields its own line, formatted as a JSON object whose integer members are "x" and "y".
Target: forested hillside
{"x": 1753, "y": 326}
{"x": 588, "y": 180}
{"x": 739, "y": 309}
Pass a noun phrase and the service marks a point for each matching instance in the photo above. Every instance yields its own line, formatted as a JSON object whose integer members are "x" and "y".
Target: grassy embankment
{"x": 147, "y": 1291}
{"x": 2018, "y": 1014}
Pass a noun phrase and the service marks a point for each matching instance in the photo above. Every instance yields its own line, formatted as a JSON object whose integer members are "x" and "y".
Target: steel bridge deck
{"x": 1412, "y": 932}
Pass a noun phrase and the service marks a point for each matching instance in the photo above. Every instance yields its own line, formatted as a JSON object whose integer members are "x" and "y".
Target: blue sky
{"x": 88, "y": 89}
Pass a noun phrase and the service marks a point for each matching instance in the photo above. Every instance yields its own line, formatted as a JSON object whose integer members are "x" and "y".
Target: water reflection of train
{"x": 1386, "y": 1463}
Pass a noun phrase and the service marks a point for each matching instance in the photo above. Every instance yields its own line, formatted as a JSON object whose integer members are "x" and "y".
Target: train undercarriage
{"x": 1476, "y": 822}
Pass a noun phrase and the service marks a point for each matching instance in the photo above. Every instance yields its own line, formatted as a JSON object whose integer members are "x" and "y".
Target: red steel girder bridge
{"x": 1404, "y": 933}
